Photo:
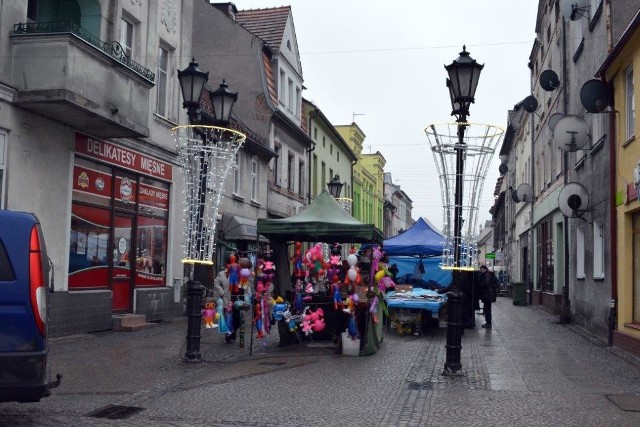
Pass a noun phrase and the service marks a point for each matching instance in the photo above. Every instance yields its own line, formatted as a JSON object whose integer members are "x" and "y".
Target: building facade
{"x": 87, "y": 146}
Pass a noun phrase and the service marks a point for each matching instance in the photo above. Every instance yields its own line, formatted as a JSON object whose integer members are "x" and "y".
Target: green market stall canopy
{"x": 323, "y": 220}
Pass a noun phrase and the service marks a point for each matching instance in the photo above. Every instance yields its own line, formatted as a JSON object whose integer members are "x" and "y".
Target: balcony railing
{"x": 113, "y": 49}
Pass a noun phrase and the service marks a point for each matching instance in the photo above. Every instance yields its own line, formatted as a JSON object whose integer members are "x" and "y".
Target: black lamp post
{"x": 464, "y": 73}
{"x": 192, "y": 82}
{"x": 335, "y": 186}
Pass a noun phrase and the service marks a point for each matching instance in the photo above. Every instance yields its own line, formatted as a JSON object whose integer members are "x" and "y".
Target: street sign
{"x": 490, "y": 255}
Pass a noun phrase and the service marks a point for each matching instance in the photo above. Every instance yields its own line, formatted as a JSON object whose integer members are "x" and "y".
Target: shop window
{"x": 125, "y": 190}
{"x": 151, "y": 251}
{"x": 635, "y": 295}
{"x": 545, "y": 256}
{"x": 92, "y": 183}
{"x": 89, "y": 239}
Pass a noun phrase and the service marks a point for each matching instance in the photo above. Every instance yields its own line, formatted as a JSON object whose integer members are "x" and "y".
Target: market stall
{"x": 417, "y": 253}
{"x": 348, "y": 301}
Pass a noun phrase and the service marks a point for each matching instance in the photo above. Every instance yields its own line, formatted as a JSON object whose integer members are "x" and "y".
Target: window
{"x": 315, "y": 133}
{"x": 598, "y": 250}
{"x": 162, "y": 82}
{"x": 630, "y": 104}
{"x": 330, "y": 148}
{"x": 324, "y": 141}
{"x": 290, "y": 93}
{"x": 126, "y": 37}
{"x": 314, "y": 175}
{"x": 291, "y": 172}
{"x": 298, "y": 99}
{"x": 301, "y": 178}
{"x": 281, "y": 87}
{"x": 236, "y": 174}
{"x": 276, "y": 162}
{"x": 323, "y": 175}
{"x": 3, "y": 138}
{"x": 337, "y": 156}
{"x": 579, "y": 253}
{"x": 254, "y": 178}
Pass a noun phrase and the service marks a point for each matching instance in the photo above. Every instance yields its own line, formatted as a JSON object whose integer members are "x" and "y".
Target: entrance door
{"x": 123, "y": 259}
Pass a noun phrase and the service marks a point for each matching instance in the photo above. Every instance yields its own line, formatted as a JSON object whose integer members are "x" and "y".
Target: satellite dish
{"x": 553, "y": 120}
{"x": 514, "y": 195}
{"x": 503, "y": 168}
{"x": 595, "y": 96}
{"x": 530, "y": 104}
{"x": 571, "y": 133}
{"x": 573, "y": 9}
{"x": 549, "y": 80}
{"x": 524, "y": 193}
{"x": 573, "y": 200}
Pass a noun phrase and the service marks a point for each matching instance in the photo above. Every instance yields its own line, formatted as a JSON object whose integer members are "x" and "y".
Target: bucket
{"x": 350, "y": 347}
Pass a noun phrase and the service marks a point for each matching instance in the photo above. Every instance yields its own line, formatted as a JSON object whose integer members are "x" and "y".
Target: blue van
{"x": 24, "y": 289}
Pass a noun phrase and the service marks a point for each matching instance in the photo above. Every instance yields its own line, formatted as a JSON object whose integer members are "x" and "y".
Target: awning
{"x": 236, "y": 227}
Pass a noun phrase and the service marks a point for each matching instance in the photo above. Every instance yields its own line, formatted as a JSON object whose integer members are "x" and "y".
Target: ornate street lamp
{"x": 464, "y": 73}
{"x": 335, "y": 187}
{"x": 222, "y": 100}
{"x": 192, "y": 80}
{"x": 206, "y": 150}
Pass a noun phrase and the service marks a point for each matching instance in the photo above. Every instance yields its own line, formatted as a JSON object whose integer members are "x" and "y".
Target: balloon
{"x": 352, "y": 259}
{"x": 352, "y": 274}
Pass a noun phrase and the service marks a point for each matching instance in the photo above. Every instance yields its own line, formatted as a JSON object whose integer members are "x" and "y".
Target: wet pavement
{"x": 528, "y": 370}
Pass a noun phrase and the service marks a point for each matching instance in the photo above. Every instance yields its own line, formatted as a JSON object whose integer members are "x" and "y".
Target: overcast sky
{"x": 381, "y": 63}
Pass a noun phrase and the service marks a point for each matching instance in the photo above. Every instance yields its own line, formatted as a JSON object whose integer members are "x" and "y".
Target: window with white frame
{"x": 276, "y": 165}
{"x": 126, "y": 37}
{"x": 290, "y": 94}
{"x": 301, "y": 178}
{"x": 281, "y": 87}
{"x": 3, "y": 138}
{"x": 580, "y": 253}
{"x": 630, "y": 104}
{"x": 236, "y": 174}
{"x": 291, "y": 172}
{"x": 254, "y": 178}
{"x": 162, "y": 82}
{"x": 598, "y": 250}
{"x": 298, "y": 100}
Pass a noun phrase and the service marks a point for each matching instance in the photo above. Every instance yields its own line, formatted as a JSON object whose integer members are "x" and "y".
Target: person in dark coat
{"x": 488, "y": 284}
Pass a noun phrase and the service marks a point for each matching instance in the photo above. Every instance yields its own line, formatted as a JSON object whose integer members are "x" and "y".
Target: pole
{"x": 198, "y": 276}
{"x": 455, "y": 297}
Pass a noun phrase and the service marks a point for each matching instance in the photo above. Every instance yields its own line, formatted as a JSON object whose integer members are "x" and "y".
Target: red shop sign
{"x": 119, "y": 156}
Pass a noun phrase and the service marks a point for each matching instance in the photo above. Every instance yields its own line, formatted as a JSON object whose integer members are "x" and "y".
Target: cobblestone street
{"x": 528, "y": 371}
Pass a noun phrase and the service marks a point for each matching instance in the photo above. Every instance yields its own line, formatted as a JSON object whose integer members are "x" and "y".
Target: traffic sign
{"x": 490, "y": 255}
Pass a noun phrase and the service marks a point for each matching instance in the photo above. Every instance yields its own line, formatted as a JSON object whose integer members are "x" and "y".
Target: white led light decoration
{"x": 206, "y": 154}
{"x": 480, "y": 144}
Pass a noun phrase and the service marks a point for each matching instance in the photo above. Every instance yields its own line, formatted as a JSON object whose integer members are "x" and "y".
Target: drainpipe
{"x": 532, "y": 223}
{"x": 565, "y": 311}
{"x": 314, "y": 114}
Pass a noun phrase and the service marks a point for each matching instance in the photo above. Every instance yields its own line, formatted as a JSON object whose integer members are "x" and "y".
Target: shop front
{"x": 119, "y": 221}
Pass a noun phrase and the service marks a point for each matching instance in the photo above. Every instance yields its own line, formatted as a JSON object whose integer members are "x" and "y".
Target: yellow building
{"x": 619, "y": 70}
{"x": 368, "y": 178}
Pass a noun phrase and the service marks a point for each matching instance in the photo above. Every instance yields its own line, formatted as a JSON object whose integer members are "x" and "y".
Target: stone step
{"x": 130, "y": 322}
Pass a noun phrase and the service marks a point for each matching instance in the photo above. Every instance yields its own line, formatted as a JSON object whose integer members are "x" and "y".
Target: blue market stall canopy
{"x": 421, "y": 240}
{"x": 323, "y": 220}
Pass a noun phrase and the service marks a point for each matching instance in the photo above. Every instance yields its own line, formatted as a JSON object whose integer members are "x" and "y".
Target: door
{"x": 122, "y": 259}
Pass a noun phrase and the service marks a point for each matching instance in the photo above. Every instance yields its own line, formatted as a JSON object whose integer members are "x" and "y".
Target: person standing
{"x": 488, "y": 291}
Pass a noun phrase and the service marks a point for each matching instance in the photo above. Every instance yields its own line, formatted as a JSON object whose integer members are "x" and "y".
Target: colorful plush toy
{"x": 209, "y": 314}
{"x": 233, "y": 274}
{"x": 296, "y": 260}
{"x": 373, "y": 309}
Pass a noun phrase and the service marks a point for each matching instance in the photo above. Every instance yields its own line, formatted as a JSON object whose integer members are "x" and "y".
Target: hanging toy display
{"x": 222, "y": 321}
{"x": 245, "y": 272}
{"x": 296, "y": 261}
{"x": 210, "y": 314}
{"x": 233, "y": 274}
